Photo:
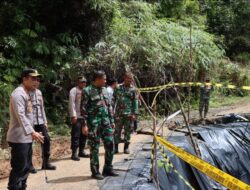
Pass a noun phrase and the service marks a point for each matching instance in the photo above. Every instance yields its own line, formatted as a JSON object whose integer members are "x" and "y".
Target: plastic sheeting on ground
{"x": 226, "y": 146}
{"x": 134, "y": 172}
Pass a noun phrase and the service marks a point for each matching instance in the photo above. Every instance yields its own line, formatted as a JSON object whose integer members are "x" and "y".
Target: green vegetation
{"x": 189, "y": 39}
{"x": 219, "y": 101}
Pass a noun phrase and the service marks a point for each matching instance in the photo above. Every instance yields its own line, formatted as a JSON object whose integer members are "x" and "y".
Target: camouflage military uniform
{"x": 204, "y": 99}
{"x": 126, "y": 104}
{"x": 97, "y": 111}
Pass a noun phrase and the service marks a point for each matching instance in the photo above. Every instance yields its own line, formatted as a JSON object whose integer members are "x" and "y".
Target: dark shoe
{"x": 126, "y": 151}
{"x": 24, "y": 186}
{"x": 116, "y": 148}
{"x": 33, "y": 170}
{"x": 83, "y": 154}
{"x": 97, "y": 176}
{"x": 48, "y": 166}
{"x": 126, "y": 148}
{"x": 110, "y": 172}
{"x": 74, "y": 156}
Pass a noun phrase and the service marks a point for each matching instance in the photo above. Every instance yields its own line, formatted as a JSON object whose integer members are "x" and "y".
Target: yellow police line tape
{"x": 184, "y": 84}
{"x": 211, "y": 171}
{"x": 169, "y": 164}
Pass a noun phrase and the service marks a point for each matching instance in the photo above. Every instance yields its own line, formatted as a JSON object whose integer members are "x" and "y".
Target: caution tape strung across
{"x": 185, "y": 84}
{"x": 211, "y": 171}
{"x": 169, "y": 164}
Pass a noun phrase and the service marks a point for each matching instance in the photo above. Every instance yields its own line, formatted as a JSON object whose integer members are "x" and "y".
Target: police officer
{"x": 41, "y": 124}
{"x": 112, "y": 86}
{"x": 21, "y": 132}
{"x": 78, "y": 140}
{"x": 126, "y": 100}
{"x": 98, "y": 114}
{"x": 205, "y": 91}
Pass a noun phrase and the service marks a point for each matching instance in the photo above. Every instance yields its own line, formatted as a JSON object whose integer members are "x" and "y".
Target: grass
{"x": 219, "y": 101}
{"x": 59, "y": 130}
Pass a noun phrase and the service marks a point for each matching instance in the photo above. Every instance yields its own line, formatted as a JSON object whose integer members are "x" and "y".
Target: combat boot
{"x": 74, "y": 156}
{"x": 32, "y": 170}
{"x": 116, "y": 148}
{"x": 97, "y": 176}
{"x": 47, "y": 166}
{"x": 126, "y": 148}
{"x": 82, "y": 154}
{"x": 109, "y": 172}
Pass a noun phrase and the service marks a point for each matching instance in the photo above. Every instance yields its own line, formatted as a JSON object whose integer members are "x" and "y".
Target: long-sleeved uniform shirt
{"x": 75, "y": 96}
{"x": 205, "y": 92}
{"x": 21, "y": 117}
{"x": 96, "y": 106}
{"x": 38, "y": 107}
{"x": 126, "y": 100}
{"x": 110, "y": 91}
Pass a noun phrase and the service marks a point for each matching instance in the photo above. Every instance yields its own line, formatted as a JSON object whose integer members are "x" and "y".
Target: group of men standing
{"x": 96, "y": 114}
{"x": 100, "y": 113}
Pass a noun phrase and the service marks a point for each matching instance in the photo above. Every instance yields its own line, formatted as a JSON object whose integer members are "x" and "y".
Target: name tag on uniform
{"x": 29, "y": 107}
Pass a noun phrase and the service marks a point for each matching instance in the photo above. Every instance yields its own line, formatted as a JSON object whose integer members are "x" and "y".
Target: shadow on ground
{"x": 71, "y": 179}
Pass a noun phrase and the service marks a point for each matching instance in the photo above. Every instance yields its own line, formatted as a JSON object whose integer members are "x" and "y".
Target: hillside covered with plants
{"x": 187, "y": 39}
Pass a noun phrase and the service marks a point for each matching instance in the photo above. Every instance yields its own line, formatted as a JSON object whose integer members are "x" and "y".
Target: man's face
{"x": 38, "y": 82}
{"x": 114, "y": 85}
{"x": 31, "y": 83}
{"x": 128, "y": 80}
{"x": 101, "y": 82}
{"x": 81, "y": 85}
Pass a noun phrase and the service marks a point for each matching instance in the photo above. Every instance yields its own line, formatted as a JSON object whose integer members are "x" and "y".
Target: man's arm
{"x": 83, "y": 109}
{"x": 111, "y": 114}
{"x": 43, "y": 112}
{"x": 72, "y": 105}
{"x": 135, "y": 103}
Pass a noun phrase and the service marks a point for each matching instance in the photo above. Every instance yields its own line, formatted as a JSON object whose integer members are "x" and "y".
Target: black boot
{"x": 116, "y": 148}
{"x": 109, "y": 172}
{"x": 47, "y": 166}
{"x": 126, "y": 148}
{"x": 24, "y": 185}
{"x": 97, "y": 176}
{"x": 74, "y": 156}
{"x": 83, "y": 154}
{"x": 33, "y": 170}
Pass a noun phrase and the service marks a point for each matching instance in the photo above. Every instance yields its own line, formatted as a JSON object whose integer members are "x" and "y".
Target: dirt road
{"x": 72, "y": 175}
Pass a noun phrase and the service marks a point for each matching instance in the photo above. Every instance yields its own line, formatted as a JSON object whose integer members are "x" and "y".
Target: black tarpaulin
{"x": 225, "y": 146}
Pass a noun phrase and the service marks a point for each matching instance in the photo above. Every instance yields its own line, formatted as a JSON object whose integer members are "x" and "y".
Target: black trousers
{"x": 21, "y": 155}
{"x": 78, "y": 140}
{"x": 46, "y": 145}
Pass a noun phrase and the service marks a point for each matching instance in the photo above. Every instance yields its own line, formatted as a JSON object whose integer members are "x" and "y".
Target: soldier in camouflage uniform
{"x": 204, "y": 98}
{"x": 126, "y": 109}
{"x": 97, "y": 112}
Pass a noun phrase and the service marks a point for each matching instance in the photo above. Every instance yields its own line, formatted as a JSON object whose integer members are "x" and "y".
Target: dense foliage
{"x": 188, "y": 39}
